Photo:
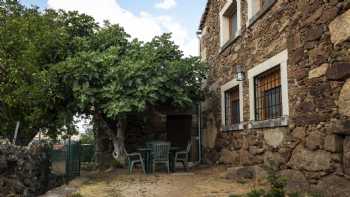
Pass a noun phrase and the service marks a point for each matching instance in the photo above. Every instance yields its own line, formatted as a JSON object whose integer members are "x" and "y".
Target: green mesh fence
{"x": 87, "y": 153}
{"x": 65, "y": 159}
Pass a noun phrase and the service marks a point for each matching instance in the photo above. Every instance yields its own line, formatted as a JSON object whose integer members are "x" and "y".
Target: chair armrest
{"x": 181, "y": 153}
{"x": 133, "y": 154}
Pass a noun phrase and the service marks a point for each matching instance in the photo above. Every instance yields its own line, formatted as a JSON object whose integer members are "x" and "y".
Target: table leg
{"x": 172, "y": 162}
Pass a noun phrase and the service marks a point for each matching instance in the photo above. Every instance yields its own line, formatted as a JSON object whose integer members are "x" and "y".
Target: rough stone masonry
{"x": 313, "y": 149}
{"x": 24, "y": 171}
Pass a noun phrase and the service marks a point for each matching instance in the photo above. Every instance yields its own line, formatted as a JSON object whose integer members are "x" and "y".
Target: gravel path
{"x": 197, "y": 183}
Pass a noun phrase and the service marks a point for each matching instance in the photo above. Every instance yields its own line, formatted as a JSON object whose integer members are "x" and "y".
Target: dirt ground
{"x": 200, "y": 182}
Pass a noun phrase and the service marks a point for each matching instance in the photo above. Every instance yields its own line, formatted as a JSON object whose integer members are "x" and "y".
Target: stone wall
{"x": 23, "y": 171}
{"x": 315, "y": 145}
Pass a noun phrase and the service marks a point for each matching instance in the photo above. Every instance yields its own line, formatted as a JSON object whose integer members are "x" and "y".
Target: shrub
{"x": 256, "y": 193}
{"x": 75, "y": 195}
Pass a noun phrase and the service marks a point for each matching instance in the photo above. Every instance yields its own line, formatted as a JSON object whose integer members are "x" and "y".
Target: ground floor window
{"x": 268, "y": 92}
{"x": 268, "y": 98}
{"x": 232, "y": 106}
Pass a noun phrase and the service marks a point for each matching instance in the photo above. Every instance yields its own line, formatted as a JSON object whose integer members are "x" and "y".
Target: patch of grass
{"x": 316, "y": 194}
{"x": 75, "y": 195}
{"x": 296, "y": 194}
{"x": 256, "y": 193}
{"x": 242, "y": 181}
{"x": 234, "y": 195}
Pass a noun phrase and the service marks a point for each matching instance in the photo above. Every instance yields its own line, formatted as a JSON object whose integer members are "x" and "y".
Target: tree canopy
{"x": 56, "y": 64}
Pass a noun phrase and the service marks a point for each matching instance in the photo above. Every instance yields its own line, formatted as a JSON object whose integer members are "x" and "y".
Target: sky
{"x": 142, "y": 19}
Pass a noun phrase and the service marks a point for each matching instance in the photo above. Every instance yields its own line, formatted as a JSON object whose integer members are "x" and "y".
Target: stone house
{"x": 279, "y": 88}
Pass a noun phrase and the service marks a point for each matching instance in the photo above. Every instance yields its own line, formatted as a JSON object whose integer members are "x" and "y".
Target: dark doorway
{"x": 179, "y": 129}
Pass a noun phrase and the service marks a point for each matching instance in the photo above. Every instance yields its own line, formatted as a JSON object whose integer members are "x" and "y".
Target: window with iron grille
{"x": 232, "y": 106}
{"x": 268, "y": 97}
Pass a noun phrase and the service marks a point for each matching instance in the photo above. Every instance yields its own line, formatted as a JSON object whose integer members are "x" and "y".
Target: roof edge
{"x": 204, "y": 16}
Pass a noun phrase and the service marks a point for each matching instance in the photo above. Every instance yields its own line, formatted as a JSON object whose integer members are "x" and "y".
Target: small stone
{"x": 299, "y": 133}
{"x": 313, "y": 161}
{"x": 314, "y": 33}
{"x": 340, "y": 28}
{"x": 228, "y": 157}
{"x": 346, "y": 155}
{"x": 319, "y": 71}
{"x": 256, "y": 151}
{"x": 314, "y": 141}
{"x": 246, "y": 173}
{"x": 344, "y": 99}
{"x": 274, "y": 160}
{"x": 341, "y": 127}
{"x": 338, "y": 71}
{"x": 333, "y": 143}
{"x": 244, "y": 158}
{"x": 274, "y": 137}
{"x": 240, "y": 173}
{"x": 296, "y": 181}
{"x": 335, "y": 186}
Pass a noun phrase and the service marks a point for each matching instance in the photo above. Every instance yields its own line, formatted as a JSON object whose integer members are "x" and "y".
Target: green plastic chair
{"x": 182, "y": 156}
{"x": 133, "y": 158}
{"x": 160, "y": 154}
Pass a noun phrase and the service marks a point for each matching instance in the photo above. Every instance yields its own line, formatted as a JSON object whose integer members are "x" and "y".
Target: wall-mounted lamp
{"x": 240, "y": 75}
{"x": 199, "y": 34}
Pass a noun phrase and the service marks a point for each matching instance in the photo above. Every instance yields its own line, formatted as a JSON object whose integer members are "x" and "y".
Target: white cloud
{"x": 143, "y": 26}
{"x": 166, "y": 4}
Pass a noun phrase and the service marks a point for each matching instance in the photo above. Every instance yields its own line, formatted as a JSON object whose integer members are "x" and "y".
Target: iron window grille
{"x": 232, "y": 107}
{"x": 268, "y": 97}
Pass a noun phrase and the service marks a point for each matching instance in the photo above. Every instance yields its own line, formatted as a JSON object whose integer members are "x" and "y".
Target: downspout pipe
{"x": 199, "y": 133}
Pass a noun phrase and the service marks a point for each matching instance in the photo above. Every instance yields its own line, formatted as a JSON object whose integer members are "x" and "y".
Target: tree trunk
{"x": 116, "y": 133}
{"x": 118, "y": 139}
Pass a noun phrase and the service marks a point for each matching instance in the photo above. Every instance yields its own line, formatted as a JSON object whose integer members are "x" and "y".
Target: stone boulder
{"x": 340, "y": 28}
{"x": 318, "y": 72}
{"x": 314, "y": 141}
{"x": 299, "y": 133}
{"x": 333, "y": 186}
{"x": 303, "y": 159}
{"x": 273, "y": 158}
{"x": 341, "y": 127}
{"x": 296, "y": 181}
{"x": 275, "y": 137}
{"x": 246, "y": 173}
{"x": 346, "y": 155}
{"x": 338, "y": 71}
{"x": 344, "y": 100}
{"x": 228, "y": 157}
{"x": 333, "y": 143}
{"x": 24, "y": 171}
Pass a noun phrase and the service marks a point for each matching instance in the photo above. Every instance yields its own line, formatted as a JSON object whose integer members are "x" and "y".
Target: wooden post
{"x": 16, "y": 132}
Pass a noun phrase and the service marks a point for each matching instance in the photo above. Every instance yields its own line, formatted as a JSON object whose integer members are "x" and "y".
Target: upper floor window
{"x": 257, "y": 7}
{"x": 230, "y": 21}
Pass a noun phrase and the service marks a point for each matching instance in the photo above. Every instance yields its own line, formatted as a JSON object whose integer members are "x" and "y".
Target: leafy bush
{"x": 75, "y": 195}
{"x": 277, "y": 182}
{"x": 256, "y": 193}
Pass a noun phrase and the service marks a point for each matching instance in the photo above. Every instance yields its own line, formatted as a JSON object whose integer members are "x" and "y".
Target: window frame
{"x": 280, "y": 59}
{"x": 253, "y": 17}
{"x": 225, "y": 29}
{"x": 261, "y": 102}
{"x": 229, "y": 118}
{"x": 226, "y": 87}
